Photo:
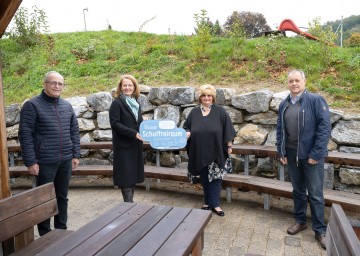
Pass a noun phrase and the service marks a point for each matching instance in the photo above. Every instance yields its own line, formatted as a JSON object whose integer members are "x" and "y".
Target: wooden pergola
{"x": 7, "y": 11}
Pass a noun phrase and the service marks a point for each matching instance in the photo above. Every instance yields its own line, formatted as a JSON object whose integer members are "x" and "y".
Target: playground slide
{"x": 289, "y": 25}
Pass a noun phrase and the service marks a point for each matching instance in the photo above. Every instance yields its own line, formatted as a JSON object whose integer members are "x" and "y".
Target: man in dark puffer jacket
{"x": 50, "y": 143}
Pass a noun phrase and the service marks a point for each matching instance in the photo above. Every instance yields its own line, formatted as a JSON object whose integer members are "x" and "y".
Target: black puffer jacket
{"x": 48, "y": 131}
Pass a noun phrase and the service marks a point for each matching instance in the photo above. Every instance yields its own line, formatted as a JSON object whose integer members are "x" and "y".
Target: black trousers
{"x": 212, "y": 189}
{"x": 60, "y": 174}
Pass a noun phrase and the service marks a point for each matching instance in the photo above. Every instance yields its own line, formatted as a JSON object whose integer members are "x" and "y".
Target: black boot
{"x": 128, "y": 193}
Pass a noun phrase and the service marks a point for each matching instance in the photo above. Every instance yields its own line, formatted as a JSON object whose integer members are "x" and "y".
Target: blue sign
{"x": 163, "y": 134}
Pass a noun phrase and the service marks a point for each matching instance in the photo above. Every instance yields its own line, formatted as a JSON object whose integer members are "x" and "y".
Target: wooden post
{"x": 7, "y": 246}
{"x": 4, "y": 164}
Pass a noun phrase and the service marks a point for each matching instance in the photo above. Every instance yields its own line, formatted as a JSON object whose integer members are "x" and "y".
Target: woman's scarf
{"x": 134, "y": 106}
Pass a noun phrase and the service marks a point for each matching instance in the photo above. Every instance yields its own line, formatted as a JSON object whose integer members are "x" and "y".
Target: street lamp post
{"x": 85, "y": 9}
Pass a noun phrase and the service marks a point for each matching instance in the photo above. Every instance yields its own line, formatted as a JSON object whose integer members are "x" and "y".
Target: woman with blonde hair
{"x": 125, "y": 118}
{"x": 210, "y": 133}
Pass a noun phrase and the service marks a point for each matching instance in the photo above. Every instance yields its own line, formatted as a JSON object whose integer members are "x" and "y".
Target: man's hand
{"x": 75, "y": 163}
{"x": 312, "y": 161}
{"x": 34, "y": 169}
{"x": 283, "y": 160}
{"x": 188, "y": 134}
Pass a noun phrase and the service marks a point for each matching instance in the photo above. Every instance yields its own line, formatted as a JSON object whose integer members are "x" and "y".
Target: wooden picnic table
{"x": 136, "y": 229}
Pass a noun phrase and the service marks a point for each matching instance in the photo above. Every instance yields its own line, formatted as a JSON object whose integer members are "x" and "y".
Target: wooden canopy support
{"x": 4, "y": 163}
{"x": 7, "y": 11}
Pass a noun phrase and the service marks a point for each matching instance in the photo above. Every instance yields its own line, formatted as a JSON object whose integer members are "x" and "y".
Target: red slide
{"x": 289, "y": 25}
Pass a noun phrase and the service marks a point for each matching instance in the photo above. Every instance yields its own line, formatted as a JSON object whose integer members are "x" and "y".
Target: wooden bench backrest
{"x": 340, "y": 236}
{"x": 26, "y": 209}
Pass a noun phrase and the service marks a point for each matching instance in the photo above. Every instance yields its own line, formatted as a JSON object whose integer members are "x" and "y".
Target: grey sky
{"x": 176, "y": 16}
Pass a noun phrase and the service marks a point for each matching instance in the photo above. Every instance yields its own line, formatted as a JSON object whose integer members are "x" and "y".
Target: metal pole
{"x": 85, "y": 9}
{"x": 341, "y": 32}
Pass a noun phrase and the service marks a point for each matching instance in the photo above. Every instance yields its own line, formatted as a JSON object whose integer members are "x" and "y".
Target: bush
{"x": 28, "y": 29}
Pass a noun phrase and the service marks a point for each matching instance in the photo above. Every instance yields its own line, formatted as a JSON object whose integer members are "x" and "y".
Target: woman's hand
{"x": 138, "y": 136}
{"x": 188, "y": 134}
{"x": 229, "y": 150}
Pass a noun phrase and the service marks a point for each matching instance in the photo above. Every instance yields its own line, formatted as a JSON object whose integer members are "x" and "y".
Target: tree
{"x": 216, "y": 29}
{"x": 28, "y": 29}
{"x": 201, "y": 41}
{"x": 353, "y": 40}
{"x": 253, "y": 23}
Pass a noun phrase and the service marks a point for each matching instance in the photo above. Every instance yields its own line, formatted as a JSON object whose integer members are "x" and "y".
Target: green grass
{"x": 93, "y": 62}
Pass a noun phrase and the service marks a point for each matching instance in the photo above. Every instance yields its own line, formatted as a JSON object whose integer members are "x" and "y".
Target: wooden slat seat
{"x": 340, "y": 236}
{"x": 267, "y": 186}
{"x": 19, "y": 214}
{"x": 349, "y": 201}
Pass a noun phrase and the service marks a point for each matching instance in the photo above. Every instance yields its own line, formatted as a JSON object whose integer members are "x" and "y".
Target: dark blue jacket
{"x": 48, "y": 131}
{"x": 314, "y": 127}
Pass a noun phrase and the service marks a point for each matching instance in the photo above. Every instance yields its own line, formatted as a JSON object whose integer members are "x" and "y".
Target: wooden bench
{"x": 348, "y": 201}
{"x": 340, "y": 236}
{"x": 19, "y": 214}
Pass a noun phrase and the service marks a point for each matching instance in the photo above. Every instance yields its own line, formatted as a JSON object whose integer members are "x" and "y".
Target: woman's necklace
{"x": 204, "y": 109}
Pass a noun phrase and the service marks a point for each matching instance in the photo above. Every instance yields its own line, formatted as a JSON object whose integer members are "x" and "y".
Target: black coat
{"x": 209, "y": 135}
{"x": 128, "y": 166}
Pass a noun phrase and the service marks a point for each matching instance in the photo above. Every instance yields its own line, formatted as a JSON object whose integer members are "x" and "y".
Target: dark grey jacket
{"x": 48, "y": 131}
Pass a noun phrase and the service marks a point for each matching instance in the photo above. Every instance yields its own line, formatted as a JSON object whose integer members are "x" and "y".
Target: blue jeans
{"x": 211, "y": 189}
{"x": 304, "y": 176}
{"x": 60, "y": 174}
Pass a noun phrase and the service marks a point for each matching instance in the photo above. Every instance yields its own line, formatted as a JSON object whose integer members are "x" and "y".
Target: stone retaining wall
{"x": 253, "y": 114}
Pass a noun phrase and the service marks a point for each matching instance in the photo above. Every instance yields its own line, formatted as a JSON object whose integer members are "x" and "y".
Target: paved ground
{"x": 246, "y": 227}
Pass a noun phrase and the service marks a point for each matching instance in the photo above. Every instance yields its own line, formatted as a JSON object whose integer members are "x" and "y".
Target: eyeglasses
{"x": 209, "y": 96}
{"x": 54, "y": 83}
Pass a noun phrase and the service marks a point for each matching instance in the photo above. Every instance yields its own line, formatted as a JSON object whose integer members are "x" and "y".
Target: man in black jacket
{"x": 50, "y": 143}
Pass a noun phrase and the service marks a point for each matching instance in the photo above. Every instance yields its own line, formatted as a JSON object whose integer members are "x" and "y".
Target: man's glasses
{"x": 54, "y": 83}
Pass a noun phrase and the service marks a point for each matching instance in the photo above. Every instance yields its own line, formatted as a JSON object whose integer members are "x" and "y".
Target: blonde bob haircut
{"x": 207, "y": 89}
{"x": 136, "y": 93}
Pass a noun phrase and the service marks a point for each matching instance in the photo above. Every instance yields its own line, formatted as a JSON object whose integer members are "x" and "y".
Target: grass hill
{"x": 93, "y": 62}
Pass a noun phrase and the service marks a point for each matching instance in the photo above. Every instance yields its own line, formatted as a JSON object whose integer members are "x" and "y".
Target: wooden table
{"x": 137, "y": 229}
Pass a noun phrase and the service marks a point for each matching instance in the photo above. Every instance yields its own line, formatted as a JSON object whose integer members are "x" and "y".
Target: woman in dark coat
{"x": 210, "y": 133}
{"x": 125, "y": 118}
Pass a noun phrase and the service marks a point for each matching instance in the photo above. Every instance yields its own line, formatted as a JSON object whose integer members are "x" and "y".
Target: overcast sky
{"x": 177, "y": 16}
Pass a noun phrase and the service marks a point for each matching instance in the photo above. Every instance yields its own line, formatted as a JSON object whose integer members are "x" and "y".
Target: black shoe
{"x": 206, "y": 208}
{"x": 219, "y": 213}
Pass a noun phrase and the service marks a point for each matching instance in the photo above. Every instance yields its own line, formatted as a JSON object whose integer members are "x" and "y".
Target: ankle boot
{"x": 127, "y": 193}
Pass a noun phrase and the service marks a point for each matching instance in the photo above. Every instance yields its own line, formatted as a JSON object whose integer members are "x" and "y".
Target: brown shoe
{"x": 322, "y": 240}
{"x": 296, "y": 228}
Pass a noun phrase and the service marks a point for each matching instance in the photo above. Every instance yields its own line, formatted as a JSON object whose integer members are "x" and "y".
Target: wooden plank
{"x": 244, "y": 149}
{"x": 145, "y": 236}
{"x": 27, "y": 199}
{"x": 166, "y": 173}
{"x": 82, "y": 234}
{"x": 42, "y": 242}
{"x": 8, "y": 10}
{"x": 104, "y": 236}
{"x": 186, "y": 236}
{"x": 27, "y": 219}
{"x": 34, "y": 205}
{"x": 24, "y": 238}
{"x": 160, "y": 233}
{"x": 340, "y": 235}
